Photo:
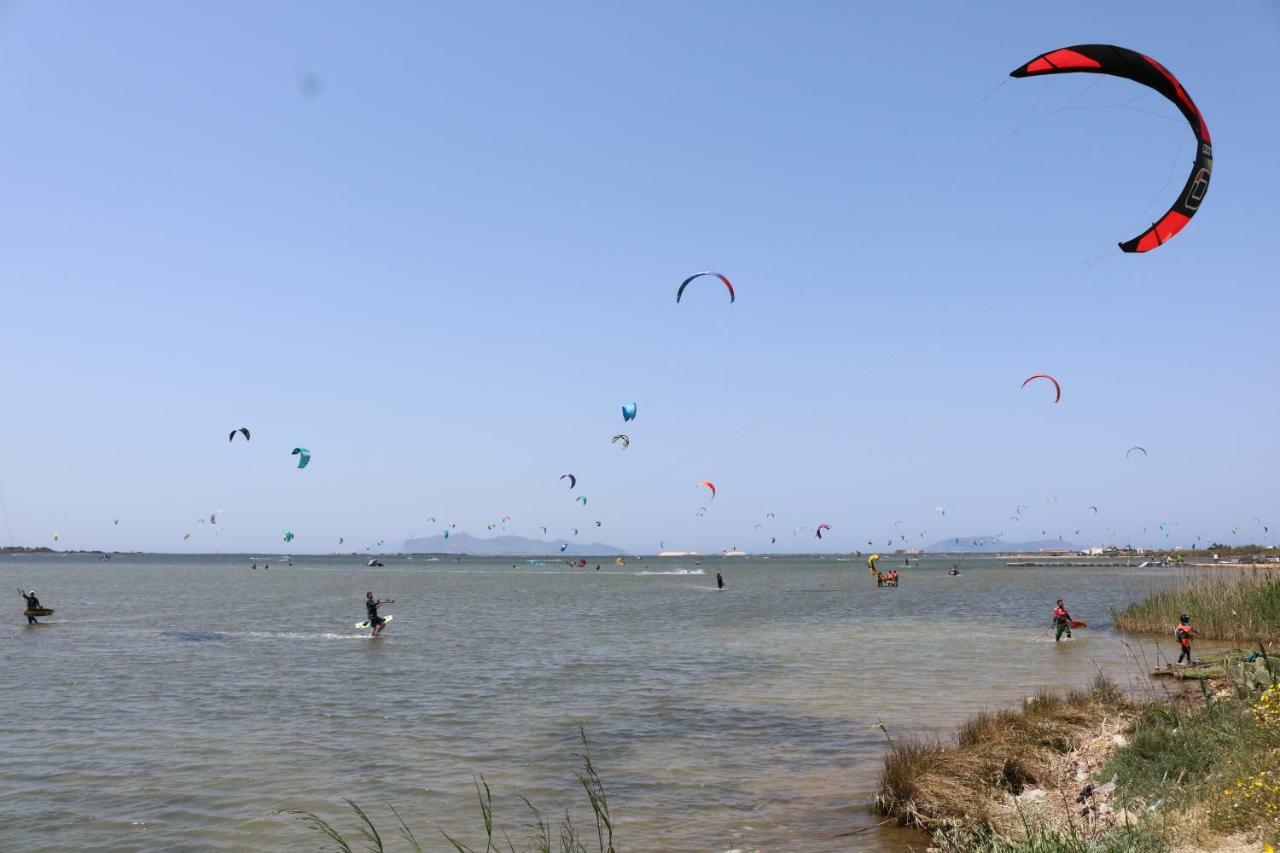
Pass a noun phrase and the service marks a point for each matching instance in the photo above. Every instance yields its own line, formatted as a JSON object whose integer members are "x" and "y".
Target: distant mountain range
{"x": 505, "y": 546}
{"x": 970, "y": 545}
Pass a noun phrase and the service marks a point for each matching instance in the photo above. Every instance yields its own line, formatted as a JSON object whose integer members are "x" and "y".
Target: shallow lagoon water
{"x": 178, "y": 702}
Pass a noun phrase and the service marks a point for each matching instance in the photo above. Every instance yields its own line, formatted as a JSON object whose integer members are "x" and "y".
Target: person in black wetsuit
{"x": 719, "y": 581}
{"x": 371, "y": 608}
{"x": 33, "y": 603}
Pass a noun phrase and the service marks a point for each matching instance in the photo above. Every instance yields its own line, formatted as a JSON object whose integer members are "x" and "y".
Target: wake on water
{"x": 582, "y": 571}
{"x": 214, "y": 636}
{"x": 196, "y": 636}
{"x": 292, "y": 635}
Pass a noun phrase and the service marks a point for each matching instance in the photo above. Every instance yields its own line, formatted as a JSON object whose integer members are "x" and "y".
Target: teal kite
{"x": 304, "y": 456}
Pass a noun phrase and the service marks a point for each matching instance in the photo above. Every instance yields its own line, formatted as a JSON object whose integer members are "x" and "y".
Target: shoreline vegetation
{"x": 542, "y": 835}
{"x": 1192, "y": 764}
{"x": 1094, "y": 770}
{"x": 1236, "y": 607}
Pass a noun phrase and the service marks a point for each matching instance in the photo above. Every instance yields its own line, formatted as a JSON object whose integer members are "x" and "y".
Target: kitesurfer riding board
{"x": 371, "y": 608}
{"x": 385, "y": 619}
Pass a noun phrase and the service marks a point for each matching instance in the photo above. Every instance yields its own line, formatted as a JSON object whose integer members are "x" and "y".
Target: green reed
{"x": 1231, "y": 604}
{"x": 564, "y": 836}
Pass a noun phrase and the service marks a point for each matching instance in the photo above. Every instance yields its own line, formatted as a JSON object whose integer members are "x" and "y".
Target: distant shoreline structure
{"x": 1263, "y": 556}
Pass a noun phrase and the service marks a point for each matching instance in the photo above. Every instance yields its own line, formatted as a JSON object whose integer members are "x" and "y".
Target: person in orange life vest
{"x": 1183, "y": 635}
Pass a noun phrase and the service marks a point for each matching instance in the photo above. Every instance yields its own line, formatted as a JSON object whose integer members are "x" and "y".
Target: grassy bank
{"x": 1172, "y": 772}
{"x": 1239, "y": 607}
{"x": 996, "y": 758}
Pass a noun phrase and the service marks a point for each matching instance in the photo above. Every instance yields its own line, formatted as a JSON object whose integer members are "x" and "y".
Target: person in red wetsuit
{"x": 1061, "y": 622}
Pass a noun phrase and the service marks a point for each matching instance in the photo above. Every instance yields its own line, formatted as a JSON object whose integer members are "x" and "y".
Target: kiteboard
{"x": 365, "y": 623}
{"x": 39, "y": 611}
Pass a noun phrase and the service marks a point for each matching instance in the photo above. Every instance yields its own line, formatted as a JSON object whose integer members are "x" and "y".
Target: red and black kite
{"x": 1122, "y": 62}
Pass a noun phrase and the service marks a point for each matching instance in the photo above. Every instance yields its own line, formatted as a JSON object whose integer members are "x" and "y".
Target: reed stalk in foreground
{"x": 568, "y": 837}
{"x": 1236, "y": 606}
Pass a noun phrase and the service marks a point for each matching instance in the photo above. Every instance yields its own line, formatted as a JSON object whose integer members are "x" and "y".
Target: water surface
{"x": 178, "y": 702}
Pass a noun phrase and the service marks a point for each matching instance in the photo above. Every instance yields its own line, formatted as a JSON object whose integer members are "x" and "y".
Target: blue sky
{"x": 446, "y": 271}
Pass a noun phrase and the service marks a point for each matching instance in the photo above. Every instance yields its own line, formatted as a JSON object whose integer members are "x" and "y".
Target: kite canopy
{"x": 1130, "y": 451}
{"x": 582, "y": 499}
{"x": 288, "y": 536}
{"x": 573, "y": 481}
{"x": 1057, "y": 388}
{"x": 1122, "y": 62}
{"x": 822, "y": 527}
{"x": 629, "y": 410}
{"x": 242, "y": 430}
{"x": 710, "y": 485}
{"x": 625, "y": 439}
{"x": 871, "y": 563}
{"x": 685, "y": 283}
{"x": 304, "y": 456}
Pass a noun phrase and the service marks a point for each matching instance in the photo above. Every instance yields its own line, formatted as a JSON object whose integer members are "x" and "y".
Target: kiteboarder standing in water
{"x": 33, "y": 603}
{"x": 371, "y": 607}
{"x": 719, "y": 581}
{"x": 1061, "y": 621}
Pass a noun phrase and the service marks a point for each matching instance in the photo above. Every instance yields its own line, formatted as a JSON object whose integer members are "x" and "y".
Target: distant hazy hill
{"x": 966, "y": 545}
{"x": 518, "y": 546}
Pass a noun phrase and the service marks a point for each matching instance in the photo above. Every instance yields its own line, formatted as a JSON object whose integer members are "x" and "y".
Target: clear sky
{"x": 445, "y": 267}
